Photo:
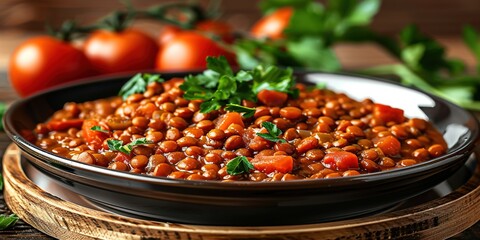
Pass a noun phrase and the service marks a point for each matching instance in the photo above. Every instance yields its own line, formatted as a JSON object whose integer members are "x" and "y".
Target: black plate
{"x": 251, "y": 203}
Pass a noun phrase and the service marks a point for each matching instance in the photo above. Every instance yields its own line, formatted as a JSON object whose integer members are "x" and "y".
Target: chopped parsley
{"x": 246, "y": 111}
{"x": 138, "y": 84}
{"x": 98, "y": 129}
{"x": 7, "y": 221}
{"x": 117, "y": 145}
{"x": 239, "y": 165}
{"x": 273, "y": 133}
{"x": 219, "y": 85}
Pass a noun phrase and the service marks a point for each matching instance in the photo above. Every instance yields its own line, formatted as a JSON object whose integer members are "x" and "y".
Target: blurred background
{"x": 442, "y": 19}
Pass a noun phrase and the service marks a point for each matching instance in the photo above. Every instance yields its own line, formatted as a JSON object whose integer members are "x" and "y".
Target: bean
{"x": 118, "y": 123}
{"x": 139, "y": 161}
{"x": 234, "y": 142}
{"x": 307, "y": 144}
{"x": 175, "y": 157}
{"x": 184, "y": 112}
{"x": 314, "y": 155}
{"x": 193, "y": 132}
{"x": 213, "y": 158}
{"x": 369, "y": 165}
{"x": 178, "y": 122}
{"x": 406, "y": 162}
{"x": 370, "y": 154}
{"x": 243, "y": 152}
{"x": 198, "y": 116}
{"x": 141, "y": 122}
{"x": 333, "y": 175}
{"x": 386, "y": 162}
{"x": 216, "y": 134}
{"x": 261, "y": 111}
{"x": 420, "y": 124}
{"x": 262, "y": 119}
{"x": 142, "y": 150}
{"x": 120, "y": 166}
{"x": 173, "y": 134}
{"x": 205, "y": 125}
{"x": 168, "y": 146}
{"x": 421, "y": 154}
{"x": 228, "y": 155}
{"x": 162, "y": 170}
{"x": 85, "y": 157}
{"x": 356, "y": 131}
{"x": 154, "y": 136}
{"x": 187, "y": 142}
{"x": 188, "y": 164}
{"x": 168, "y": 106}
{"x": 194, "y": 151}
{"x": 290, "y": 112}
{"x": 291, "y": 134}
{"x": 178, "y": 175}
{"x": 436, "y": 150}
{"x": 288, "y": 148}
{"x": 349, "y": 173}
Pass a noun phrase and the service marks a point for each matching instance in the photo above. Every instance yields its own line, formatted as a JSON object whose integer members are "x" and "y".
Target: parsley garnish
{"x": 273, "y": 133}
{"x": 117, "y": 145}
{"x": 1, "y": 182}
{"x": 239, "y": 165}
{"x": 98, "y": 129}
{"x": 3, "y": 109}
{"x": 138, "y": 84}
{"x": 7, "y": 221}
{"x": 219, "y": 86}
{"x": 247, "y": 112}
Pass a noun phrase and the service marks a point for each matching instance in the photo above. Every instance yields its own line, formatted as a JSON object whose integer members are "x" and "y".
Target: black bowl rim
{"x": 462, "y": 151}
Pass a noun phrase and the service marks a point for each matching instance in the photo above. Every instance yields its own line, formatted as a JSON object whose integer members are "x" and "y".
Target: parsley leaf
{"x": 98, "y": 129}
{"x": 117, "y": 145}
{"x": 138, "y": 84}
{"x": 247, "y": 112}
{"x": 7, "y": 221}
{"x": 274, "y": 78}
{"x": 273, "y": 133}
{"x": 239, "y": 165}
{"x": 1, "y": 182}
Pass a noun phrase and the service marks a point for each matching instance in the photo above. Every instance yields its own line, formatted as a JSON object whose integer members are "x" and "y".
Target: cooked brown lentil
{"x": 327, "y": 135}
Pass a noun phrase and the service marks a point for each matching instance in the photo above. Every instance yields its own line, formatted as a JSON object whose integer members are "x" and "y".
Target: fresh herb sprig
{"x": 246, "y": 111}
{"x": 7, "y": 221}
{"x": 239, "y": 165}
{"x": 138, "y": 84}
{"x": 98, "y": 129}
{"x": 219, "y": 86}
{"x": 117, "y": 145}
{"x": 273, "y": 133}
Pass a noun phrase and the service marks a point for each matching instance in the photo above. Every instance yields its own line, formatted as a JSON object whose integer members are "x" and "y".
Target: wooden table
{"x": 351, "y": 57}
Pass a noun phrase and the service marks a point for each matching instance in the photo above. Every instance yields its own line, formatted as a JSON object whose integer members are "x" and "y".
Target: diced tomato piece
{"x": 93, "y": 138}
{"x": 278, "y": 163}
{"x": 65, "y": 124}
{"x": 388, "y": 114}
{"x": 228, "y": 119}
{"x": 272, "y": 98}
{"x": 122, "y": 157}
{"x": 389, "y": 145}
{"x": 341, "y": 160}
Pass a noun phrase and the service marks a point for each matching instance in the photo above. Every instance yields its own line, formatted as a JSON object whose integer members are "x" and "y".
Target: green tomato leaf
{"x": 364, "y": 12}
{"x": 313, "y": 54}
{"x": 239, "y": 165}
{"x": 471, "y": 39}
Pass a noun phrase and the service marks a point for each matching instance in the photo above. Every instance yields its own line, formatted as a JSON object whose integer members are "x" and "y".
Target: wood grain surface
{"x": 437, "y": 219}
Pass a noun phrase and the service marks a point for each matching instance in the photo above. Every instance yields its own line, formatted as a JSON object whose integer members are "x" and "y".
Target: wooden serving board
{"x": 437, "y": 219}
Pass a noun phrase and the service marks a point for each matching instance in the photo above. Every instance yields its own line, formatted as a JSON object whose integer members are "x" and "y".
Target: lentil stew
{"x": 319, "y": 134}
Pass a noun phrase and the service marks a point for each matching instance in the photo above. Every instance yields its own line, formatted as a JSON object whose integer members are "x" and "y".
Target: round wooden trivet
{"x": 437, "y": 219}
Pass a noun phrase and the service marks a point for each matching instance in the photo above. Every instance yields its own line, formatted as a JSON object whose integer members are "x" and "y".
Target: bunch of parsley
{"x": 219, "y": 86}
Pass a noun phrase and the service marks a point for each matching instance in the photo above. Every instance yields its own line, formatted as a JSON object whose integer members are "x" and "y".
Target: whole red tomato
{"x": 272, "y": 25}
{"x": 124, "y": 51}
{"x": 221, "y": 29}
{"x": 188, "y": 50}
{"x": 43, "y": 62}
